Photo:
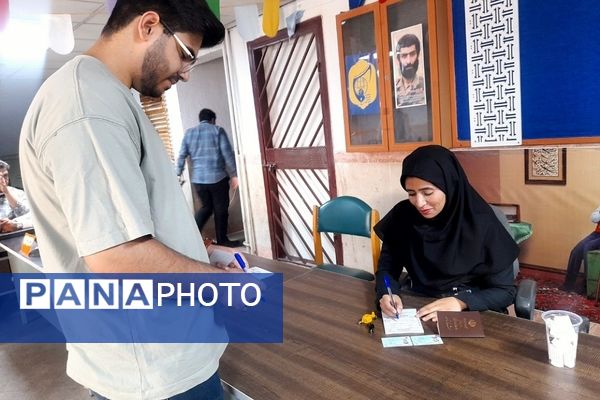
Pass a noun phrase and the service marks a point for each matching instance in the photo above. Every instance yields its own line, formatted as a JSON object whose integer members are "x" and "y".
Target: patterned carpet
{"x": 550, "y": 297}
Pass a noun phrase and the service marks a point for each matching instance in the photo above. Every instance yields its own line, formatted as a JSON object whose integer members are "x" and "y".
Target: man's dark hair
{"x": 408, "y": 40}
{"x": 190, "y": 16}
{"x": 206, "y": 115}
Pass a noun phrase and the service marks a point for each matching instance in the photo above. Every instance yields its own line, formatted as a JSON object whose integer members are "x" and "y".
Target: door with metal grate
{"x": 292, "y": 107}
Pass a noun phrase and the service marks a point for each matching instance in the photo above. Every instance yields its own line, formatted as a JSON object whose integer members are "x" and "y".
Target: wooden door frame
{"x": 268, "y": 158}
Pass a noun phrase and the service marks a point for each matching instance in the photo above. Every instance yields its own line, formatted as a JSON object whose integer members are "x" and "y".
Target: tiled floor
{"x": 37, "y": 371}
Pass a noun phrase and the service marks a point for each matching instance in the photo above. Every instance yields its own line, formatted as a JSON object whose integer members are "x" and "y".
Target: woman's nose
{"x": 420, "y": 201}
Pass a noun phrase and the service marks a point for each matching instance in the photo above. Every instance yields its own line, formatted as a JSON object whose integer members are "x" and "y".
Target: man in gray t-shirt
{"x": 103, "y": 192}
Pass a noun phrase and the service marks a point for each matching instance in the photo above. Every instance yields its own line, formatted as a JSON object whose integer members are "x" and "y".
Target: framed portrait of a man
{"x": 409, "y": 71}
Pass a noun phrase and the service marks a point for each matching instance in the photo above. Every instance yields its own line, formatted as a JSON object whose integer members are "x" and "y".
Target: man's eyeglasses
{"x": 189, "y": 59}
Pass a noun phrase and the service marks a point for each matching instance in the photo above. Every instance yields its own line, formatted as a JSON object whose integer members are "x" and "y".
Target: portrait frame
{"x": 395, "y": 36}
{"x": 546, "y": 166}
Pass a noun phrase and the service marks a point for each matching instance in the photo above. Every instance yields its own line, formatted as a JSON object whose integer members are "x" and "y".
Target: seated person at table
{"x": 579, "y": 254}
{"x": 448, "y": 238}
{"x": 14, "y": 207}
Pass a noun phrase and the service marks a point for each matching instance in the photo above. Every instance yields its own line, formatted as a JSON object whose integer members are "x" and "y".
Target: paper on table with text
{"x": 258, "y": 270}
{"x": 263, "y": 273}
{"x": 407, "y": 322}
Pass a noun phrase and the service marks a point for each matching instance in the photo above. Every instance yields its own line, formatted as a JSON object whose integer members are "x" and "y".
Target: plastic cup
{"x": 562, "y": 331}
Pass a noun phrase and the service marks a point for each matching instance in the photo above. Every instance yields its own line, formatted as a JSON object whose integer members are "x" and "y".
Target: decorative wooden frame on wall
{"x": 546, "y": 166}
{"x": 436, "y": 31}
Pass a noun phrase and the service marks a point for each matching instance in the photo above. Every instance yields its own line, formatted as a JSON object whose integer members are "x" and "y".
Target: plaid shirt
{"x": 20, "y": 213}
{"x": 210, "y": 151}
{"x": 22, "y": 208}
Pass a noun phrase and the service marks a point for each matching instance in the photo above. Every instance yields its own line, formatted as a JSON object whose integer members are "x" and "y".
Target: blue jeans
{"x": 578, "y": 254}
{"x": 210, "y": 389}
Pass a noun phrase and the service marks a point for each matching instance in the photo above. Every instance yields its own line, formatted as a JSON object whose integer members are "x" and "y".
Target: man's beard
{"x": 410, "y": 70}
{"x": 152, "y": 69}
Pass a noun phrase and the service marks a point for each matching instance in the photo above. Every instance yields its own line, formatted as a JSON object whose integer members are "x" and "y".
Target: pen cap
{"x": 386, "y": 281}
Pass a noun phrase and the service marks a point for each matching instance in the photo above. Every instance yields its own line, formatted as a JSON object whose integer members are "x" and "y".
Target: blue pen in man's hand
{"x": 240, "y": 260}
{"x": 389, "y": 290}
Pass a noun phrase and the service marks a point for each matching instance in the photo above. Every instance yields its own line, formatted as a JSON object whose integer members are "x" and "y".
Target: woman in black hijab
{"x": 448, "y": 238}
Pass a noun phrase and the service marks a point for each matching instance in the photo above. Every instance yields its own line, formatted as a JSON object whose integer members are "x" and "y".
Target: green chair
{"x": 350, "y": 216}
{"x": 593, "y": 274}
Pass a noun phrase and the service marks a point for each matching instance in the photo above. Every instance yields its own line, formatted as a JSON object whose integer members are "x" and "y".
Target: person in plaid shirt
{"x": 14, "y": 207}
{"x": 213, "y": 172}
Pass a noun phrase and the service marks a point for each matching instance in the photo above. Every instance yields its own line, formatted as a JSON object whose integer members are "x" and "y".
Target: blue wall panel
{"x": 560, "y": 68}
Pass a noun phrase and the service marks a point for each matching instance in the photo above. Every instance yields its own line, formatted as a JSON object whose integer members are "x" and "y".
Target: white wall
{"x": 176, "y": 130}
{"x": 205, "y": 89}
{"x": 246, "y": 132}
{"x": 374, "y": 178}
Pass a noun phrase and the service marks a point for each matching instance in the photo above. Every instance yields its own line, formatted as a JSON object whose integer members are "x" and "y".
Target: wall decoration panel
{"x": 492, "y": 42}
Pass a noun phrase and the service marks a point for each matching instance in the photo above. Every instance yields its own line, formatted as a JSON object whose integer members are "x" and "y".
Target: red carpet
{"x": 550, "y": 297}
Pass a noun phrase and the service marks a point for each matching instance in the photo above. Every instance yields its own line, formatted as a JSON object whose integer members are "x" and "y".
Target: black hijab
{"x": 464, "y": 241}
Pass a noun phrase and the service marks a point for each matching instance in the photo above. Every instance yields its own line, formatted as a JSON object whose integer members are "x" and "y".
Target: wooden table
{"x": 326, "y": 355}
{"x": 289, "y": 271}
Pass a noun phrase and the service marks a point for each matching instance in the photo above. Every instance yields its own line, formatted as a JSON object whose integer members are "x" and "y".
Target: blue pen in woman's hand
{"x": 240, "y": 260}
{"x": 389, "y": 290}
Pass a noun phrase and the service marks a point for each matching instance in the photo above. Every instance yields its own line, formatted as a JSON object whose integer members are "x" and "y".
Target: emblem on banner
{"x": 362, "y": 82}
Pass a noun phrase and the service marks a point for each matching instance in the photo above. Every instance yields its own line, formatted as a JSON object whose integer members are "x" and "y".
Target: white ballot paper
{"x": 407, "y": 322}
{"x": 258, "y": 270}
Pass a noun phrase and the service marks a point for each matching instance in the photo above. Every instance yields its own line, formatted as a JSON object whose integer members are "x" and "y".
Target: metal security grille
{"x": 290, "y": 94}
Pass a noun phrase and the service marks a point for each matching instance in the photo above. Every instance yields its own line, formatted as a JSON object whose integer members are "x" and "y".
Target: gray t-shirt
{"x": 97, "y": 175}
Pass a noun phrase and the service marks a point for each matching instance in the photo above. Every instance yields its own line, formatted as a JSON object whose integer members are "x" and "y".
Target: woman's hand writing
{"x": 387, "y": 307}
